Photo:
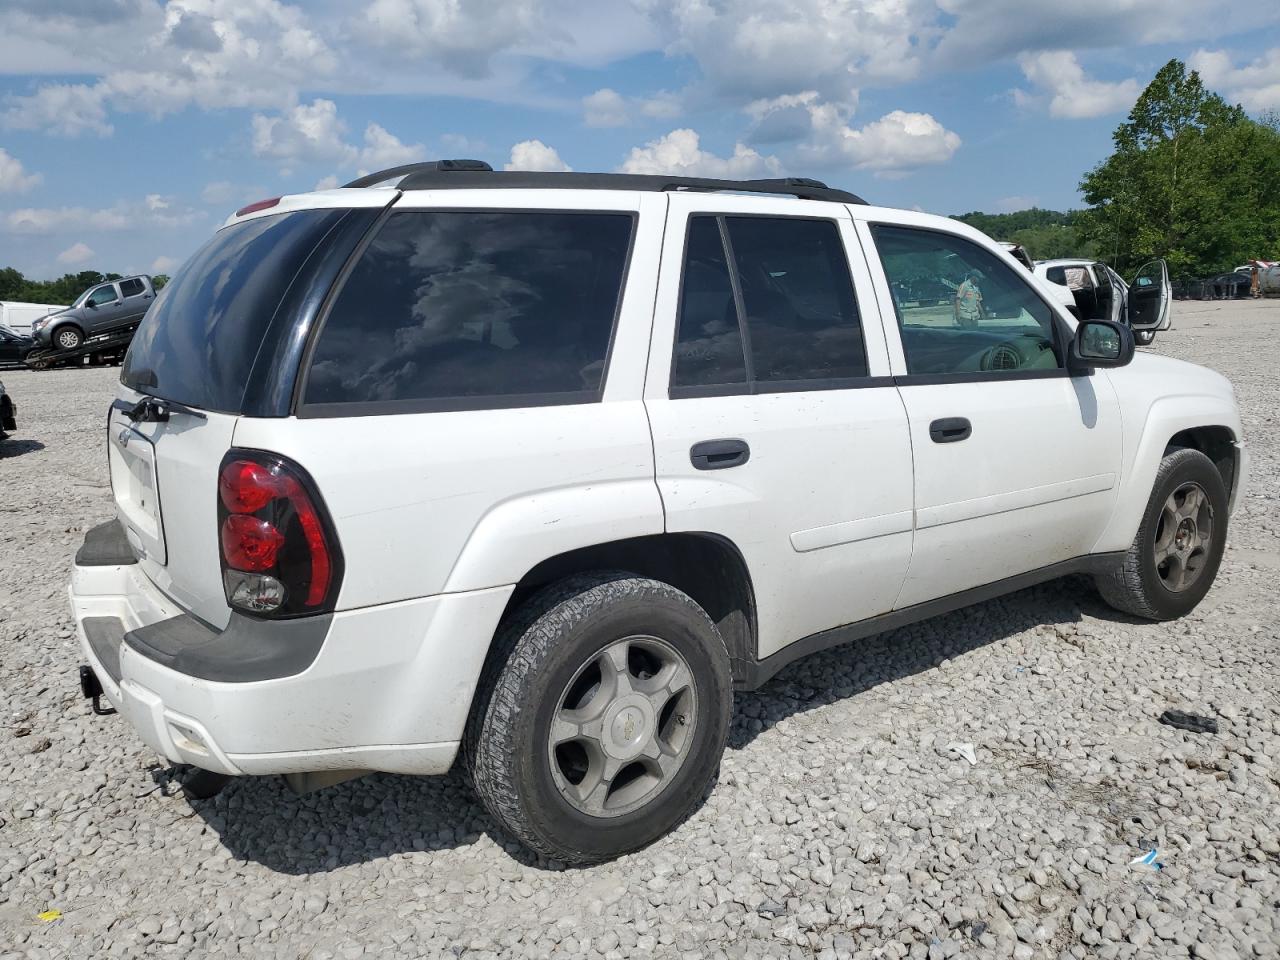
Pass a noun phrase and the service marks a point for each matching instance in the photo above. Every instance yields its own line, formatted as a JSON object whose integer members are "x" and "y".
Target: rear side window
{"x": 474, "y": 309}
{"x": 197, "y": 343}
{"x": 131, "y": 287}
{"x": 783, "y": 317}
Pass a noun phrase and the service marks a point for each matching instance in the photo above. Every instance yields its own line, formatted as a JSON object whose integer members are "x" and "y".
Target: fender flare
{"x": 518, "y": 534}
{"x": 1165, "y": 418}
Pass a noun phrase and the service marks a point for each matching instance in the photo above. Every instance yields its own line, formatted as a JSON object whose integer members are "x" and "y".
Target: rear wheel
{"x": 67, "y": 338}
{"x": 602, "y": 720}
{"x": 1175, "y": 556}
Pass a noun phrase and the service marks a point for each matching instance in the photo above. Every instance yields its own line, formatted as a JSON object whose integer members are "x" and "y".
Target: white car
{"x": 539, "y": 468}
{"x": 1057, "y": 291}
{"x": 1100, "y": 293}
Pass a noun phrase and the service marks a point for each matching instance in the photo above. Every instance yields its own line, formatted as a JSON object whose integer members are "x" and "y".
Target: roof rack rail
{"x": 429, "y": 166}
{"x": 472, "y": 174}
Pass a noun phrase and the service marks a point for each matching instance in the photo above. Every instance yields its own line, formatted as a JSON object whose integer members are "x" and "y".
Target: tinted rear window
{"x": 474, "y": 309}
{"x": 197, "y": 343}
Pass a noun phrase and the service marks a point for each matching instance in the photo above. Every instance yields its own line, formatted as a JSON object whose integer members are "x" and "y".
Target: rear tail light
{"x": 280, "y": 557}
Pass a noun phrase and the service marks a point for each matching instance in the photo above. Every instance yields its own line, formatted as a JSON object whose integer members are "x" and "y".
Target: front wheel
{"x": 1175, "y": 556}
{"x": 1143, "y": 338}
{"x": 67, "y": 338}
{"x": 602, "y": 719}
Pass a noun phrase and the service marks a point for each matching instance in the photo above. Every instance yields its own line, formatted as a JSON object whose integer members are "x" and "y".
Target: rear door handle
{"x": 950, "y": 429}
{"x": 719, "y": 454}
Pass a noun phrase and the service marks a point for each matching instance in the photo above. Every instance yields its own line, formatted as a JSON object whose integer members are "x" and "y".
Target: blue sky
{"x": 130, "y": 128}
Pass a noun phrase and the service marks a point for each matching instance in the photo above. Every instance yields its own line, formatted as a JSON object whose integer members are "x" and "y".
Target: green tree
{"x": 1046, "y": 234}
{"x": 1192, "y": 179}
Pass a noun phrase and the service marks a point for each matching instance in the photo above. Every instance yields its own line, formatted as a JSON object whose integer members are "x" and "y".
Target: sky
{"x": 130, "y": 129}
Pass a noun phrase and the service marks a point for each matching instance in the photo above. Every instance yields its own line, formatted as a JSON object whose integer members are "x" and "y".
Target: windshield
{"x": 198, "y": 342}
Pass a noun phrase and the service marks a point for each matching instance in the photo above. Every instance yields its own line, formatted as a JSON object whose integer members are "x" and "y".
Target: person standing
{"x": 968, "y": 305}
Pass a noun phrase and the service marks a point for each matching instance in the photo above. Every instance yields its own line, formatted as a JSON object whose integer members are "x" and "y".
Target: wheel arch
{"x": 706, "y": 566}
{"x": 1208, "y": 423}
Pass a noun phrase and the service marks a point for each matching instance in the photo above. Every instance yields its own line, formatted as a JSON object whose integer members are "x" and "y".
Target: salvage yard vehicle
{"x": 1056, "y": 290}
{"x": 17, "y": 317}
{"x": 1100, "y": 293}
{"x": 14, "y": 347}
{"x": 8, "y": 413}
{"x": 107, "y": 308}
{"x": 535, "y": 469}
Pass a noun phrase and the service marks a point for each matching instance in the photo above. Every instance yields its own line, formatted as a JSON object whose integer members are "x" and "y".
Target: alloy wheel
{"x": 623, "y": 726}
{"x": 1184, "y": 535}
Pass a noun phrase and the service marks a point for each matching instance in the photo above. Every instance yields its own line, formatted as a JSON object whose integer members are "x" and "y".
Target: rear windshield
{"x": 450, "y": 310}
{"x": 197, "y": 343}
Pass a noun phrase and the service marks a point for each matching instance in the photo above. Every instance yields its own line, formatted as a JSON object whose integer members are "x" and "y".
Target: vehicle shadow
{"x": 379, "y": 816}
{"x": 16, "y": 448}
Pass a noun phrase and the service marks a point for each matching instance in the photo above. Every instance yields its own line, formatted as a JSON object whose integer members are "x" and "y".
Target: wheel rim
{"x": 623, "y": 726}
{"x": 67, "y": 339}
{"x": 1184, "y": 535}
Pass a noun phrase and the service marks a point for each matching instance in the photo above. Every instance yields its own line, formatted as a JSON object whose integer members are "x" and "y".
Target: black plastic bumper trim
{"x": 247, "y": 650}
{"x": 751, "y": 675}
{"x": 106, "y": 545}
{"x": 105, "y": 635}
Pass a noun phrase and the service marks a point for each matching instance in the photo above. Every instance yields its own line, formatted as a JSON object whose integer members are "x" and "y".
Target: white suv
{"x": 543, "y": 467}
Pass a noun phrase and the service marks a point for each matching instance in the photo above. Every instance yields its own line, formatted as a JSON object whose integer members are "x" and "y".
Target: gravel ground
{"x": 839, "y": 826}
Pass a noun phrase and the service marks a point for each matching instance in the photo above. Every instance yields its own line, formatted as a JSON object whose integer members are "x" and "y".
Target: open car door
{"x": 1149, "y": 297}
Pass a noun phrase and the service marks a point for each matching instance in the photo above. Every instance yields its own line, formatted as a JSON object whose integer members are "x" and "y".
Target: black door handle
{"x": 719, "y": 454}
{"x": 950, "y": 429}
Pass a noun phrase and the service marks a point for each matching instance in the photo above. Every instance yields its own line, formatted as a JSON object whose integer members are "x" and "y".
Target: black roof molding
{"x": 430, "y": 166}
{"x": 473, "y": 174}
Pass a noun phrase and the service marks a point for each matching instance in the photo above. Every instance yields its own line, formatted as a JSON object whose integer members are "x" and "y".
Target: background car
{"x": 1101, "y": 294}
{"x": 8, "y": 413}
{"x": 108, "y": 306}
{"x": 14, "y": 347}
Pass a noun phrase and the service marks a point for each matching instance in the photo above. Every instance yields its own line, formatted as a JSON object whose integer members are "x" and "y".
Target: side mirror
{"x": 1101, "y": 343}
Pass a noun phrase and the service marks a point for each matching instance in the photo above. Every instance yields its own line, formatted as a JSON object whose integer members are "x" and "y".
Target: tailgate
{"x": 164, "y": 477}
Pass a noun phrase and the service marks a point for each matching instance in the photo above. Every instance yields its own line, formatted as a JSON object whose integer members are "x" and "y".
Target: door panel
{"x": 1149, "y": 297}
{"x": 1032, "y": 485}
{"x": 1016, "y": 462}
{"x": 821, "y": 508}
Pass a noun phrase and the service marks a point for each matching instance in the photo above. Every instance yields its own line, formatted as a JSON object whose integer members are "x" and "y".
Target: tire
{"x": 549, "y": 665}
{"x": 1150, "y": 588}
{"x": 1143, "y": 338}
{"x": 67, "y": 338}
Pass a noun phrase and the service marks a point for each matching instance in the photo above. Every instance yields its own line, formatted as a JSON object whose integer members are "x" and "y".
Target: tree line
{"x": 64, "y": 290}
{"x": 1192, "y": 179}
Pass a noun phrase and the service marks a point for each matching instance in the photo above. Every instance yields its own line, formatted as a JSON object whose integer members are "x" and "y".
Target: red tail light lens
{"x": 279, "y": 554}
{"x": 250, "y": 544}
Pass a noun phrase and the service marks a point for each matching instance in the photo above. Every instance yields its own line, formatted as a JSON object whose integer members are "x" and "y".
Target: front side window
{"x": 475, "y": 309}
{"x": 960, "y": 308}
{"x": 767, "y": 303}
{"x": 101, "y": 295}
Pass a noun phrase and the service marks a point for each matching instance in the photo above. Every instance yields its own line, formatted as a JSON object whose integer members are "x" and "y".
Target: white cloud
{"x": 608, "y": 108}
{"x": 1255, "y": 86}
{"x": 314, "y": 133}
{"x": 892, "y": 145}
{"x": 76, "y": 253}
{"x": 535, "y": 155}
{"x": 604, "y": 108}
{"x": 679, "y": 154}
{"x": 163, "y": 264}
{"x": 1071, "y": 93}
{"x": 462, "y": 35}
{"x": 212, "y": 53}
{"x": 980, "y": 31}
{"x": 67, "y": 109}
{"x": 152, "y": 212}
{"x": 13, "y": 176}
{"x": 331, "y": 182}
{"x": 750, "y": 49}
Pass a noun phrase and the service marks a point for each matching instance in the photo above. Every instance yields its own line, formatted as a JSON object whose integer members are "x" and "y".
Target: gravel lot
{"x": 839, "y": 827}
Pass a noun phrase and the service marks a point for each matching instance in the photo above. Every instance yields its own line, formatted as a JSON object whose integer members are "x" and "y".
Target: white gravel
{"x": 841, "y": 825}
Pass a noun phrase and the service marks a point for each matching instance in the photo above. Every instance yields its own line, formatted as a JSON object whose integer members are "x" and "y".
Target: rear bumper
{"x": 388, "y": 687}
